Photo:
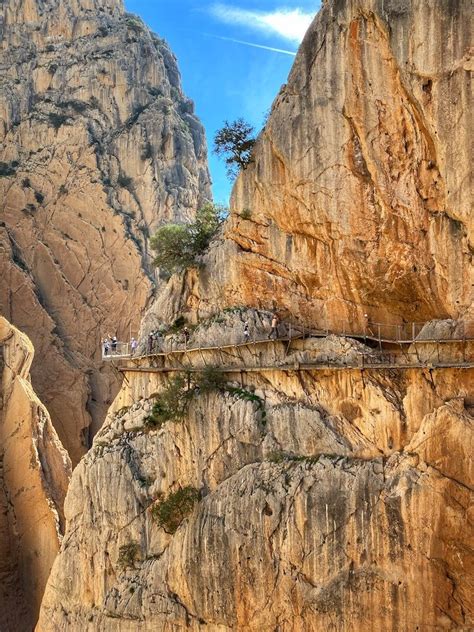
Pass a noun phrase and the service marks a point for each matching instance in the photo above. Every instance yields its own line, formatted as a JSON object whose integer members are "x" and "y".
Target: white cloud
{"x": 291, "y": 24}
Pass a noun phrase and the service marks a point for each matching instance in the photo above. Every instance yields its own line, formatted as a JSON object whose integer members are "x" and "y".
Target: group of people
{"x": 155, "y": 338}
{"x": 153, "y": 341}
{"x": 110, "y": 345}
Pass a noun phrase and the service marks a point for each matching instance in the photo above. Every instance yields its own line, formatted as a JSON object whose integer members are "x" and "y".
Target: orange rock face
{"x": 34, "y": 475}
{"x": 333, "y": 499}
{"x": 98, "y": 145}
{"x": 358, "y": 200}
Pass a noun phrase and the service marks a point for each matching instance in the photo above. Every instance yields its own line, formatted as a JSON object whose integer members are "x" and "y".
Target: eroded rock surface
{"x": 98, "y": 145}
{"x": 329, "y": 500}
{"x": 358, "y": 200}
{"x": 34, "y": 475}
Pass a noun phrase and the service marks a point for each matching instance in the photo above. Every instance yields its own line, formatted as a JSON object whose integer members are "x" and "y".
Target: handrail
{"x": 406, "y": 334}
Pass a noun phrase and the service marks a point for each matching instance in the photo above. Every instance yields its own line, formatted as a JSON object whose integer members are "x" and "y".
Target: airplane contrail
{"x": 236, "y": 41}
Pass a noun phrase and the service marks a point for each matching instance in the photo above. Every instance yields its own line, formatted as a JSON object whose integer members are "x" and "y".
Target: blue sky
{"x": 227, "y": 79}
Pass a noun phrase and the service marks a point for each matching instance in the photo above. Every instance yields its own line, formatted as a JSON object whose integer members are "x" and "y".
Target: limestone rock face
{"x": 327, "y": 501}
{"x": 358, "y": 200}
{"x": 98, "y": 146}
{"x": 34, "y": 475}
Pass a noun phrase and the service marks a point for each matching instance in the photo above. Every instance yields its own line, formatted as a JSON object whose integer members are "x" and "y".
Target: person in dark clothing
{"x": 114, "y": 344}
{"x": 186, "y": 335}
{"x": 246, "y": 331}
{"x": 149, "y": 345}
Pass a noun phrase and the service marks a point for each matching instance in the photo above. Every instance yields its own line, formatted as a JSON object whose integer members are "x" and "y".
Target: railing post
{"x": 379, "y": 336}
{"x": 413, "y": 331}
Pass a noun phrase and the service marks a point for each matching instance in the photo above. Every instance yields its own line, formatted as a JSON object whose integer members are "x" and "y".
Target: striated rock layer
{"x": 98, "y": 145}
{"x": 358, "y": 200}
{"x": 34, "y": 475}
{"x": 329, "y": 500}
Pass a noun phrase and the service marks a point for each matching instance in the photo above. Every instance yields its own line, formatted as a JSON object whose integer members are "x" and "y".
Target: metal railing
{"x": 113, "y": 350}
{"x": 380, "y": 333}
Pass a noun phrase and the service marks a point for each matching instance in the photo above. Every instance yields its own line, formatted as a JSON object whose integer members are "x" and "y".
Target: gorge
{"x": 282, "y": 496}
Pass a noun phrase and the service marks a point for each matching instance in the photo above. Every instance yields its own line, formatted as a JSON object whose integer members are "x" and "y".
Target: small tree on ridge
{"x": 235, "y": 143}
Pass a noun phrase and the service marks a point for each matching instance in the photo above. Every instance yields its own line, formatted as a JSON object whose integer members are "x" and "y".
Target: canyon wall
{"x": 338, "y": 499}
{"x": 358, "y": 200}
{"x": 34, "y": 475}
{"x": 98, "y": 146}
{"x": 329, "y": 500}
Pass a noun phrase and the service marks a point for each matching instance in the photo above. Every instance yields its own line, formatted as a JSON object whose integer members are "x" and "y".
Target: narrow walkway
{"x": 179, "y": 359}
{"x": 303, "y": 367}
{"x": 265, "y": 341}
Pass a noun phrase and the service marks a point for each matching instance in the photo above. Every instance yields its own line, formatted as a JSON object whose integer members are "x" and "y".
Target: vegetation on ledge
{"x": 178, "y": 246}
{"x": 171, "y": 512}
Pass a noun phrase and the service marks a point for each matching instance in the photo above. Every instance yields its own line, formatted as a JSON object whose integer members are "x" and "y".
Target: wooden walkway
{"x": 265, "y": 341}
{"x": 179, "y": 359}
{"x": 307, "y": 366}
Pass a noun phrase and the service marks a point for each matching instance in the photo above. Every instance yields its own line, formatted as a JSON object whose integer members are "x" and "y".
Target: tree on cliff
{"x": 177, "y": 246}
{"x": 235, "y": 143}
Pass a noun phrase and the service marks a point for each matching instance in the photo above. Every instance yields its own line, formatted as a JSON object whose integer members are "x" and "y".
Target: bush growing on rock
{"x": 178, "y": 246}
{"x": 170, "y": 405}
{"x": 171, "y": 512}
{"x": 128, "y": 555}
{"x": 210, "y": 379}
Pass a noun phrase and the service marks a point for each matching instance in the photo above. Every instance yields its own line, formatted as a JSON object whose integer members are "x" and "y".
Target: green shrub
{"x": 210, "y": 379}
{"x": 171, "y": 404}
{"x": 277, "y": 457}
{"x": 26, "y": 183}
{"x": 177, "y": 246}
{"x": 128, "y": 555}
{"x": 156, "y": 91}
{"x": 171, "y": 512}
{"x": 246, "y": 395}
{"x": 134, "y": 23}
{"x": 39, "y": 197}
{"x": 246, "y": 213}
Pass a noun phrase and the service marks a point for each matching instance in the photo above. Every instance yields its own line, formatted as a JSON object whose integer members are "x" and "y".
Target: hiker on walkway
{"x": 246, "y": 331}
{"x": 186, "y": 335}
{"x": 149, "y": 344}
{"x": 274, "y": 327}
{"x": 106, "y": 346}
{"x": 133, "y": 345}
{"x": 114, "y": 345}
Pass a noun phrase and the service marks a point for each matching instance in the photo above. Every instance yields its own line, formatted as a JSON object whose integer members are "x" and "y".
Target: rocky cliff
{"x": 34, "y": 475}
{"x": 358, "y": 200}
{"x": 98, "y": 145}
{"x": 288, "y": 499}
